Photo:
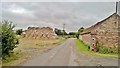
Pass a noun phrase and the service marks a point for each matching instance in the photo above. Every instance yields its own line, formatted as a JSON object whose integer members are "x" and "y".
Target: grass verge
{"x": 80, "y": 46}
{"x": 28, "y": 48}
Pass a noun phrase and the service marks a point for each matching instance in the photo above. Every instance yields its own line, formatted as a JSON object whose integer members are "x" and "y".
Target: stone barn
{"x": 39, "y": 33}
{"x": 105, "y": 32}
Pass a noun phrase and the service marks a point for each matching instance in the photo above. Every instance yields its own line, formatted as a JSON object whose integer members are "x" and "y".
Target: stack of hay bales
{"x": 38, "y": 33}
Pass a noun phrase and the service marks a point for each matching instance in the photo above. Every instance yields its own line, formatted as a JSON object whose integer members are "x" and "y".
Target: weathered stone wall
{"x": 107, "y": 32}
{"x": 38, "y": 33}
{"x": 86, "y": 38}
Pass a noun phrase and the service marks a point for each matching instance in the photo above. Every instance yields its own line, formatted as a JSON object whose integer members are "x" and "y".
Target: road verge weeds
{"x": 81, "y": 47}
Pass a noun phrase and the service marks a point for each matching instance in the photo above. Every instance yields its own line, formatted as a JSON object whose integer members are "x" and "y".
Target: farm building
{"x": 39, "y": 33}
{"x": 105, "y": 32}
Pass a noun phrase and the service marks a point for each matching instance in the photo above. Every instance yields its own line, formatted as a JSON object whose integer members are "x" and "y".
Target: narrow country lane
{"x": 66, "y": 55}
{"x": 62, "y": 55}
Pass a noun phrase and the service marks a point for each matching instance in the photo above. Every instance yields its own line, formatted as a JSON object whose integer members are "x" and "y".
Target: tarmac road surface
{"x": 65, "y": 55}
{"x": 62, "y": 55}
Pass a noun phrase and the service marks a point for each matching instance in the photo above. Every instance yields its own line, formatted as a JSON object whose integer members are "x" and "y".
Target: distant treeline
{"x": 70, "y": 34}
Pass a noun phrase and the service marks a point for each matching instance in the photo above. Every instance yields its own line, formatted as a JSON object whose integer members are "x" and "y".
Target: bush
{"x": 9, "y": 39}
{"x": 77, "y": 35}
{"x": 106, "y": 50}
{"x": 79, "y": 31}
{"x": 0, "y": 39}
{"x": 19, "y": 31}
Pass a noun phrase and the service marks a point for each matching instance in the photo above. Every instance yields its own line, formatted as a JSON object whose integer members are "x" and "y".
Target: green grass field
{"x": 81, "y": 47}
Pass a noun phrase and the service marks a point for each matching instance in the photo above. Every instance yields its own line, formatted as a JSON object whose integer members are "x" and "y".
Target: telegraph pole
{"x": 63, "y": 26}
{"x": 63, "y": 29}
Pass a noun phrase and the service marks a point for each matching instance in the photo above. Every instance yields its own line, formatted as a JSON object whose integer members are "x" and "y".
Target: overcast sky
{"x": 54, "y": 14}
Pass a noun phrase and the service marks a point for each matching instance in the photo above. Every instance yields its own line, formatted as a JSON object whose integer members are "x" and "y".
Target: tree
{"x": 64, "y": 32}
{"x": 60, "y": 32}
{"x": 9, "y": 39}
{"x": 72, "y": 33}
{"x": 19, "y": 31}
{"x": 79, "y": 31}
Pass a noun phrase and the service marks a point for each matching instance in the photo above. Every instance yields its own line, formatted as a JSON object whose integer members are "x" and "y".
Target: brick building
{"x": 105, "y": 32}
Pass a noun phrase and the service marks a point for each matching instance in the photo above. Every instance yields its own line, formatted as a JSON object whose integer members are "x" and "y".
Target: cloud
{"x": 54, "y": 14}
